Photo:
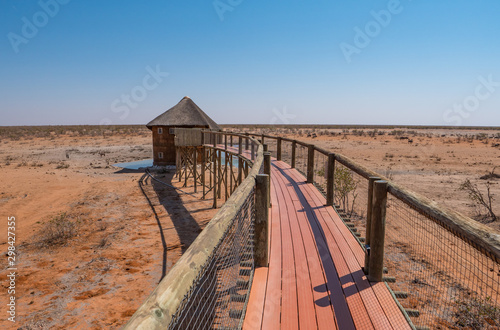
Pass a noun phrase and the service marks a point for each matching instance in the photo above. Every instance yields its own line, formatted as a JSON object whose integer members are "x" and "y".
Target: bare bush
{"x": 490, "y": 175}
{"x": 58, "y": 231}
{"x": 477, "y": 197}
{"x": 476, "y": 314}
{"x": 346, "y": 187}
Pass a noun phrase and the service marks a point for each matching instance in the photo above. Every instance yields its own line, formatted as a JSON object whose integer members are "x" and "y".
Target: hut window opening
{"x": 160, "y": 130}
{"x": 160, "y": 155}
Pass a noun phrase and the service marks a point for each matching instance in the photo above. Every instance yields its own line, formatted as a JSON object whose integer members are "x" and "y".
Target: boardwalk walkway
{"x": 314, "y": 279}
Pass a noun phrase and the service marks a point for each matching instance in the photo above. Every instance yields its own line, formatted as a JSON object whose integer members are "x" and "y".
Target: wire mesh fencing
{"x": 442, "y": 280}
{"x": 219, "y": 296}
{"x": 301, "y": 158}
{"x": 286, "y": 151}
{"x": 320, "y": 171}
{"x": 272, "y": 146}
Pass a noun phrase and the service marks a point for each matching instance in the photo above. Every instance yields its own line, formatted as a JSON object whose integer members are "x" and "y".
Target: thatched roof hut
{"x": 185, "y": 114}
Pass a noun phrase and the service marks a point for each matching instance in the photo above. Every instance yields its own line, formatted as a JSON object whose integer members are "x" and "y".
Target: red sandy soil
{"x": 98, "y": 278}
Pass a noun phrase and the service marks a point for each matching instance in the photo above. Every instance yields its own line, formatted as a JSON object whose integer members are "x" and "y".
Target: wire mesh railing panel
{"x": 272, "y": 146}
{"x": 286, "y": 151}
{"x": 351, "y": 198}
{"x": 320, "y": 171}
{"x": 219, "y": 296}
{"x": 448, "y": 281}
{"x": 301, "y": 158}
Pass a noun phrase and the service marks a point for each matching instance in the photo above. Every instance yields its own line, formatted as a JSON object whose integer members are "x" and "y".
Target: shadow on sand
{"x": 187, "y": 229}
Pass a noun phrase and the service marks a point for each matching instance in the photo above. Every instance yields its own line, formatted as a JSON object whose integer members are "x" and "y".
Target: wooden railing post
{"x": 330, "y": 180}
{"x": 195, "y": 165}
{"x": 278, "y": 148}
{"x": 225, "y": 141}
{"x": 368, "y": 228}
{"x": 215, "y": 177}
{"x": 261, "y": 220}
{"x": 215, "y": 139}
{"x": 226, "y": 173}
{"x": 377, "y": 235}
{"x": 219, "y": 174}
{"x": 240, "y": 170}
{"x": 266, "y": 147}
{"x": 203, "y": 167}
{"x": 262, "y": 139}
{"x": 310, "y": 163}
{"x": 240, "y": 147}
{"x": 294, "y": 148}
{"x": 267, "y": 163}
{"x": 267, "y": 170}
{"x": 252, "y": 150}
{"x": 246, "y": 141}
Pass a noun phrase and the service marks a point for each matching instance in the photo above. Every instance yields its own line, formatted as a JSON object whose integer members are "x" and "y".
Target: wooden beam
{"x": 330, "y": 180}
{"x": 261, "y": 235}
{"x": 368, "y": 226}
{"x": 377, "y": 234}
{"x": 278, "y": 148}
{"x": 310, "y": 163}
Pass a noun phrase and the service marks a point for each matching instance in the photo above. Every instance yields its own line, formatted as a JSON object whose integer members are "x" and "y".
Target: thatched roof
{"x": 184, "y": 114}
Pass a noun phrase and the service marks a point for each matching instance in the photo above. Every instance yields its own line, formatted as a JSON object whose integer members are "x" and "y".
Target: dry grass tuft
{"x": 477, "y": 314}
{"x": 58, "y": 231}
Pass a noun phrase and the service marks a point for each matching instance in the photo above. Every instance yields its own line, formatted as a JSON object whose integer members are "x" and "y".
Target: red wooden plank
{"x": 382, "y": 308}
{"x": 340, "y": 247}
{"x": 305, "y": 300}
{"x": 390, "y": 307}
{"x": 386, "y": 300}
{"x": 255, "y": 306}
{"x": 354, "y": 300}
{"x": 272, "y": 307}
{"x": 324, "y": 308}
{"x": 289, "y": 308}
{"x": 337, "y": 298}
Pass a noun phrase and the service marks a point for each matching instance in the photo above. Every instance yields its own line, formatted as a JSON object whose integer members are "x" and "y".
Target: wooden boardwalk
{"x": 314, "y": 279}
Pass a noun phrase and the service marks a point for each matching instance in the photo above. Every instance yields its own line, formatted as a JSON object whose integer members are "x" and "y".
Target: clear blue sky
{"x": 416, "y": 62}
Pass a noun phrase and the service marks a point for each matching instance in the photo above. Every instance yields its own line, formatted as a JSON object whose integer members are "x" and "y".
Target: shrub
{"x": 62, "y": 166}
{"x": 476, "y": 314}
{"x": 345, "y": 187}
{"x": 58, "y": 230}
{"x": 477, "y": 197}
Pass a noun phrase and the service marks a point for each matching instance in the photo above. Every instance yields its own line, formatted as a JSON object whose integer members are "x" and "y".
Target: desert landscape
{"x": 90, "y": 244}
{"x": 93, "y": 240}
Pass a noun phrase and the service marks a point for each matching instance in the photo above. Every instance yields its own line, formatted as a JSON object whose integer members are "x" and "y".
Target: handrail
{"x": 158, "y": 309}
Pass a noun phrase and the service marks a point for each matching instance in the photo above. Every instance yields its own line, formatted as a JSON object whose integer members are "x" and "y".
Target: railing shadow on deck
{"x": 333, "y": 279}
